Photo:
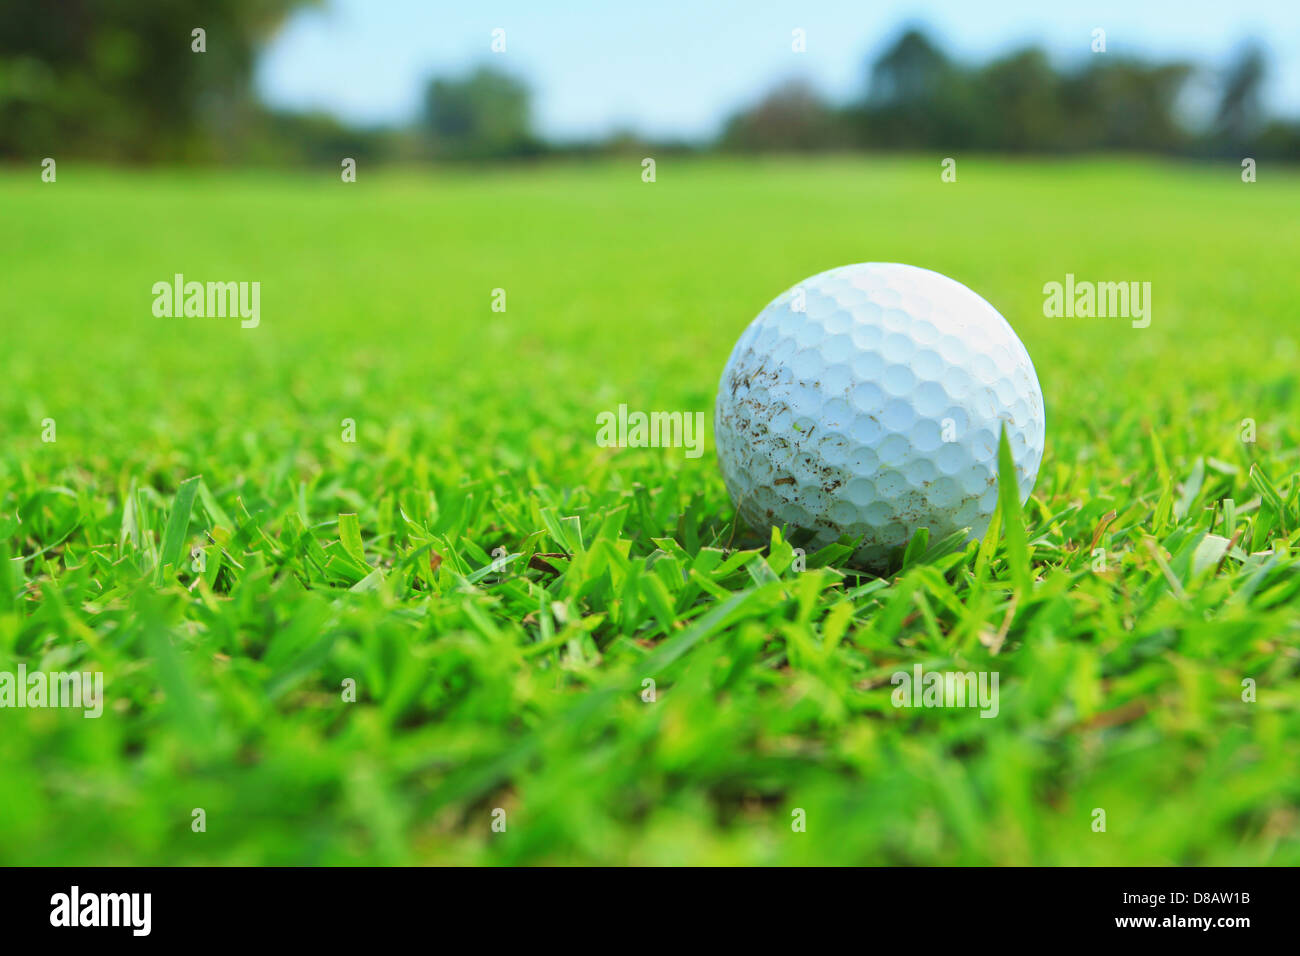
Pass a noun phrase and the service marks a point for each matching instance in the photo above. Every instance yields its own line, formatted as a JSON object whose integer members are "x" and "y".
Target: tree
{"x": 1239, "y": 115}
{"x": 119, "y": 78}
{"x": 1020, "y": 103}
{"x": 1125, "y": 104}
{"x": 912, "y": 71}
{"x": 917, "y": 97}
{"x": 790, "y": 117}
{"x": 483, "y": 114}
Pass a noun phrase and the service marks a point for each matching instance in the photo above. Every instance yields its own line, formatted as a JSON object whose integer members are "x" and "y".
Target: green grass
{"x": 1121, "y": 688}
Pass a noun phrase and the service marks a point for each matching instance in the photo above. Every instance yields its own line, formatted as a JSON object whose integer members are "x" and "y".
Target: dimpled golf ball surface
{"x": 868, "y": 401}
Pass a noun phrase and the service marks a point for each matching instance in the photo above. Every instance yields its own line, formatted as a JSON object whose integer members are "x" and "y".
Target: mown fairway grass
{"x": 1121, "y": 688}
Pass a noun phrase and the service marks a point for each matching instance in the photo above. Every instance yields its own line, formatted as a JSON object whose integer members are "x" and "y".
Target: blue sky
{"x": 677, "y": 67}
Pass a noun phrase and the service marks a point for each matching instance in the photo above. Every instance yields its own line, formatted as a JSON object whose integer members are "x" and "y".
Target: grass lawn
{"x": 326, "y": 561}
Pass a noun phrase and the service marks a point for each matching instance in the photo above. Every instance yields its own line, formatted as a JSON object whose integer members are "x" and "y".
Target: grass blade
{"x": 1013, "y": 520}
{"x": 178, "y": 526}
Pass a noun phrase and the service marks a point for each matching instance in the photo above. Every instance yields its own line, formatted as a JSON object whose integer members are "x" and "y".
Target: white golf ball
{"x": 868, "y": 401}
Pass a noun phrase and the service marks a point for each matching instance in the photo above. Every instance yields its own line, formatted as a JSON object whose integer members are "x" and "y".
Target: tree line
{"x": 918, "y": 97}
{"x": 120, "y": 80}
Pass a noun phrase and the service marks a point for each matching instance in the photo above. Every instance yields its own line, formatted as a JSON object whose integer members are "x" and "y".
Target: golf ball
{"x": 868, "y": 401}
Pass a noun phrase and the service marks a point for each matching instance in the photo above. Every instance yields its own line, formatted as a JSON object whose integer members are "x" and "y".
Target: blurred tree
{"x": 1124, "y": 104}
{"x": 119, "y": 78}
{"x": 917, "y": 97}
{"x": 1240, "y": 115}
{"x": 1278, "y": 138}
{"x": 790, "y": 117}
{"x": 1021, "y": 103}
{"x": 911, "y": 72}
{"x": 483, "y": 114}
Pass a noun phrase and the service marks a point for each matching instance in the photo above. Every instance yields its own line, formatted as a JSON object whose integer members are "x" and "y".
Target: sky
{"x": 677, "y": 68}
